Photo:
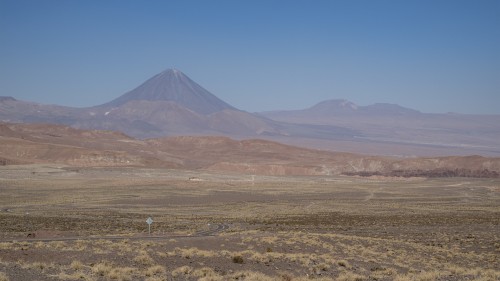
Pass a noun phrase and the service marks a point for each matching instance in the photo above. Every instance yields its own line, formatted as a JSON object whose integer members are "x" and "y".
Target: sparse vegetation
{"x": 76, "y": 265}
{"x": 155, "y": 270}
{"x": 237, "y": 259}
{"x": 144, "y": 258}
{"x": 332, "y": 228}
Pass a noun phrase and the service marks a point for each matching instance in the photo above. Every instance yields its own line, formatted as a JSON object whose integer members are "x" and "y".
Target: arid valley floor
{"x": 90, "y": 224}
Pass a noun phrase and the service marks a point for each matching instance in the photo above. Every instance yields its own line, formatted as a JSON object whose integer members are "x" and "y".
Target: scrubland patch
{"x": 279, "y": 228}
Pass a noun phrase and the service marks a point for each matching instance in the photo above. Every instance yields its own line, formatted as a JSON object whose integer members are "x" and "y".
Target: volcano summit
{"x": 174, "y": 86}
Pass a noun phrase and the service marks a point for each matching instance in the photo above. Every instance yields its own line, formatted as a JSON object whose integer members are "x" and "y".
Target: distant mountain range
{"x": 390, "y": 127}
{"x": 171, "y": 104}
{"x": 167, "y": 104}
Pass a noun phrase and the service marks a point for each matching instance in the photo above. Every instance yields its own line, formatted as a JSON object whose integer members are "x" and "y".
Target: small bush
{"x": 183, "y": 270}
{"x": 238, "y": 259}
{"x": 205, "y": 272}
{"x": 286, "y": 277}
{"x": 144, "y": 258}
{"x": 343, "y": 263}
{"x": 76, "y": 265}
{"x": 101, "y": 269}
{"x": 155, "y": 270}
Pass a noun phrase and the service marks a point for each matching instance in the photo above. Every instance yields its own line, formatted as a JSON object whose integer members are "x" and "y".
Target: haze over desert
{"x": 249, "y": 140}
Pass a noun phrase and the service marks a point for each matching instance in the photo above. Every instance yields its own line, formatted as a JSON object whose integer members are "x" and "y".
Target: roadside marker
{"x": 149, "y": 221}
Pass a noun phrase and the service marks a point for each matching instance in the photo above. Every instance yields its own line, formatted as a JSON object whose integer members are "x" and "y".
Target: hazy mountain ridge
{"x": 168, "y": 104}
{"x": 390, "y": 123}
{"x": 171, "y": 104}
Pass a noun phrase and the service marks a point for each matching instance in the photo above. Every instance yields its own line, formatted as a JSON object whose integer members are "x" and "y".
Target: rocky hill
{"x": 39, "y": 143}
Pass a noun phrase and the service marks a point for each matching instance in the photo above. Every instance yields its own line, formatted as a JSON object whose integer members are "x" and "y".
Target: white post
{"x": 149, "y": 221}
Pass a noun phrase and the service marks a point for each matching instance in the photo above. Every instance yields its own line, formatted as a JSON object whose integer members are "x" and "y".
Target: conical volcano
{"x": 173, "y": 85}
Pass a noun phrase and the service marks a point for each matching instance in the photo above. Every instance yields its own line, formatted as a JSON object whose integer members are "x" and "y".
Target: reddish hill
{"x": 47, "y": 143}
{"x": 40, "y": 143}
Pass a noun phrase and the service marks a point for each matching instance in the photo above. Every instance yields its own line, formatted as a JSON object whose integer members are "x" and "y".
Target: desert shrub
{"x": 3, "y": 277}
{"x": 286, "y": 277}
{"x": 80, "y": 245}
{"x": 193, "y": 252}
{"x": 76, "y": 265}
{"x": 349, "y": 276}
{"x": 402, "y": 277}
{"x": 155, "y": 270}
{"x": 144, "y": 258}
{"x": 343, "y": 263}
{"x": 39, "y": 265}
{"x": 238, "y": 259}
{"x": 251, "y": 276}
{"x": 120, "y": 274}
{"x": 204, "y": 272}
{"x": 322, "y": 266}
{"x": 428, "y": 276}
{"x": 101, "y": 269}
{"x": 74, "y": 276}
{"x": 183, "y": 270}
{"x": 6, "y": 245}
{"x": 260, "y": 258}
{"x": 60, "y": 245}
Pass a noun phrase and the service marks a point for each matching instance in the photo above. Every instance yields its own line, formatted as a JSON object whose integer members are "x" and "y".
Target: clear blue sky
{"x": 433, "y": 56}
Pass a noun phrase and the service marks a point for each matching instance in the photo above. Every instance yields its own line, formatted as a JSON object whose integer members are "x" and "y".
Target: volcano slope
{"x": 89, "y": 223}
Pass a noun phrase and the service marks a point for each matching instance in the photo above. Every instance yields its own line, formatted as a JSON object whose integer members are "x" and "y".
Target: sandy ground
{"x": 90, "y": 224}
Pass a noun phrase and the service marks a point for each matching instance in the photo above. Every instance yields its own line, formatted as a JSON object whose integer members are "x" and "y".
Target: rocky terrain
{"x": 89, "y": 223}
{"x": 42, "y": 143}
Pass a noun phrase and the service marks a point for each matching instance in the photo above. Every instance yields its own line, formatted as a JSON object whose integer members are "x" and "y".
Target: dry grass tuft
{"x": 60, "y": 245}
{"x": 121, "y": 274}
{"x": 205, "y": 273}
{"x": 4, "y": 277}
{"x": 349, "y": 276}
{"x": 237, "y": 259}
{"x": 251, "y": 276}
{"x": 101, "y": 269}
{"x": 155, "y": 270}
{"x": 144, "y": 258}
{"x": 76, "y": 265}
{"x": 74, "y": 276}
{"x": 80, "y": 245}
{"x": 183, "y": 270}
{"x": 38, "y": 265}
{"x": 344, "y": 263}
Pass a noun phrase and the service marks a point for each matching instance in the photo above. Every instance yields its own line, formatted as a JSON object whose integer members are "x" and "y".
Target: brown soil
{"x": 36, "y": 143}
{"x": 89, "y": 224}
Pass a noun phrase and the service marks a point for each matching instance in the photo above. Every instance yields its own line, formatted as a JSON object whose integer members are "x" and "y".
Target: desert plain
{"x": 62, "y": 222}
